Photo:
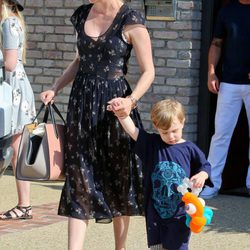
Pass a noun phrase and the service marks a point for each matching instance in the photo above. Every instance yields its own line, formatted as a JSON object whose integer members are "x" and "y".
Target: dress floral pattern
{"x": 103, "y": 175}
{"x": 23, "y": 111}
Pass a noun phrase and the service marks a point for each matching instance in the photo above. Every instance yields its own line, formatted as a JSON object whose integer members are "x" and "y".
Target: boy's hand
{"x": 199, "y": 179}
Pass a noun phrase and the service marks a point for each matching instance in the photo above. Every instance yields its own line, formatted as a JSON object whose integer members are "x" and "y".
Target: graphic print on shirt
{"x": 167, "y": 175}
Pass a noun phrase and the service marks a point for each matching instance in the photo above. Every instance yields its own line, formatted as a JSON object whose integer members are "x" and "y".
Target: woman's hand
{"x": 48, "y": 96}
{"x": 120, "y": 106}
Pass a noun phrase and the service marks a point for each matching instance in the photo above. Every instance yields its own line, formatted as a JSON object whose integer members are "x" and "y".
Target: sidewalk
{"x": 230, "y": 229}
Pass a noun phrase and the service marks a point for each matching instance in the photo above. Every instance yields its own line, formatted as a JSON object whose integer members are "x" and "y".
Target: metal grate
{"x": 160, "y": 10}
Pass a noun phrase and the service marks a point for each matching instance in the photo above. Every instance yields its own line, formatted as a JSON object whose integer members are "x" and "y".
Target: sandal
{"x": 17, "y": 213}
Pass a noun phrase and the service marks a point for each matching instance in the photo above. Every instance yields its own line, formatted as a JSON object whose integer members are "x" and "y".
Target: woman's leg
{"x": 120, "y": 225}
{"x": 23, "y": 187}
{"x": 23, "y": 209}
{"x": 76, "y": 233}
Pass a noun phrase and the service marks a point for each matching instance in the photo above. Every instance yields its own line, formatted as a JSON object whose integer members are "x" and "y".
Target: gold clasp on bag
{"x": 31, "y": 127}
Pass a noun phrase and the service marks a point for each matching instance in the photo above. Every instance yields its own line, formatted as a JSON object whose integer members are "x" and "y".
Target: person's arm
{"x": 138, "y": 36}
{"x": 67, "y": 77}
{"x": 10, "y": 43}
{"x": 200, "y": 167}
{"x": 129, "y": 126}
{"x": 213, "y": 59}
{"x": 10, "y": 59}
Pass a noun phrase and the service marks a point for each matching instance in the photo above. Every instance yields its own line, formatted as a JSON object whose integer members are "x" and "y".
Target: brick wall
{"x": 176, "y": 51}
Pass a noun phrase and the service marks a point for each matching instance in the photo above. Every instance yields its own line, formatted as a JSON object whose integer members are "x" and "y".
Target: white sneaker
{"x": 209, "y": 193}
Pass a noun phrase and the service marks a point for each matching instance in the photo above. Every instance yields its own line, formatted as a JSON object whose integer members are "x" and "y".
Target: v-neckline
{"x": 96, "y": 39}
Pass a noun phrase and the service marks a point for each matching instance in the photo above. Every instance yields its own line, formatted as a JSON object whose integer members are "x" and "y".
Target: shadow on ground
{"x": 231, "y": 214}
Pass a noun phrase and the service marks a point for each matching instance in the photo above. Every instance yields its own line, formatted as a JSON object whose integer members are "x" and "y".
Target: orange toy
{"x": 195, "y": 209}
{"x": 198, "y": 215}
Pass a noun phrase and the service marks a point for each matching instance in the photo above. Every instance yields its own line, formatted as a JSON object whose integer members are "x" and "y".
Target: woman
{"x": 103, "y": 178}
{"x": 13, "y": 45}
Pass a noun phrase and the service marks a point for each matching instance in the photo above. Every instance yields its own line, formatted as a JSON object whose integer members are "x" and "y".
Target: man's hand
{"x": 213, "y": 83}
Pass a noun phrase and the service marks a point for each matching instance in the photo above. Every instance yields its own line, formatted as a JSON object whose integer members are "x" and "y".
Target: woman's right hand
{"x": 48, "y": 96}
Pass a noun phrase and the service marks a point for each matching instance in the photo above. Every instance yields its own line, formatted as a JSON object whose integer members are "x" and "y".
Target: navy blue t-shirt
{"x": 233, "y": 26}
{"x": 164, "y": 168}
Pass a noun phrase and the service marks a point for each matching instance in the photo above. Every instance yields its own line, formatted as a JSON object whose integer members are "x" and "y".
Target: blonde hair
{"x": 164, "y": 112}
{"x": 9, "y": 9}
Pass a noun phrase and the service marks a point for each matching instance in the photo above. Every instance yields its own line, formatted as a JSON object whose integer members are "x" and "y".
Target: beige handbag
{"x": 41, "y": 154}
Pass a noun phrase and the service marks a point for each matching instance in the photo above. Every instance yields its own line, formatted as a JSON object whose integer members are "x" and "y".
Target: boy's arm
{"x": 129, "y": 126}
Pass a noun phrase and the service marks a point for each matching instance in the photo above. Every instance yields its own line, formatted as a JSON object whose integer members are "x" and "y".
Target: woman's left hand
{"x": 120, "y": 106}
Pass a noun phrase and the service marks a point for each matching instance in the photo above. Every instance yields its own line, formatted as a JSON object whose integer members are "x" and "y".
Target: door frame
{"x": 205, "y": 119}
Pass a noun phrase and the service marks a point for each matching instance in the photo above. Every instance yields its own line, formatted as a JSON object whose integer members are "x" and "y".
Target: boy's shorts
{"x": 172, "y": 234}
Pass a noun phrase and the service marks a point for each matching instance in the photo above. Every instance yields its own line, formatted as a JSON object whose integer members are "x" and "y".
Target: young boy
{"x": 167, "y": 160}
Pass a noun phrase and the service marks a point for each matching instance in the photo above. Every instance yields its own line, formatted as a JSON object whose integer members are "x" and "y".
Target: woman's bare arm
{"x": 67, "y": 77}
{"x": 10, "y": 59}
{"x": 138, "y": 36}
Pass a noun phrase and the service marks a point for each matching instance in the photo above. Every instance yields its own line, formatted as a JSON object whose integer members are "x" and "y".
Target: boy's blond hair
{"x": 164, "y": 112}
{"x": 9, "y": 9}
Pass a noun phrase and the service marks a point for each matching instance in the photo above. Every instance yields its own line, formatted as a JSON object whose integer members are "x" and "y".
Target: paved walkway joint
{"x": 43, "y": 215}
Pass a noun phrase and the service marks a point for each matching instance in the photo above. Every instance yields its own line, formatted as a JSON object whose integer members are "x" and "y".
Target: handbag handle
{"x": 49, "y": 110}
{"x": 50, "y": 106}
{"x": 57, "y": 111}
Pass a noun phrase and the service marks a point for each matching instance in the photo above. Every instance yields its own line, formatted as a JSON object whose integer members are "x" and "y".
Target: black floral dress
{"x": 103, "y": 175}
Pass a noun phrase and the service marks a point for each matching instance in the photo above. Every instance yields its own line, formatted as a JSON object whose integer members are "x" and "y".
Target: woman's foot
{"x": 17, "y": 213}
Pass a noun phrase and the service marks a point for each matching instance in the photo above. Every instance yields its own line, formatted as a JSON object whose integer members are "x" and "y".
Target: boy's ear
{"x": 154, "y": 126}
{"x": 183, "y": 122}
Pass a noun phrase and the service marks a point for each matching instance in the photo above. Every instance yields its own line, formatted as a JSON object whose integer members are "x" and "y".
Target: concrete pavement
{"x": 230, "y": 229}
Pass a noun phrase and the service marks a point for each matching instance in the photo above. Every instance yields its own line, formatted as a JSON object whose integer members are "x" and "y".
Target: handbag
{"x": 6, "y": 151}
{"x": 5, "y": 108}
{"x": 41, "y": 149}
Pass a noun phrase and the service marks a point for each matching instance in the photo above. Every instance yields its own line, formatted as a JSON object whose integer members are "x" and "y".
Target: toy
{"x": 198, "y": 215}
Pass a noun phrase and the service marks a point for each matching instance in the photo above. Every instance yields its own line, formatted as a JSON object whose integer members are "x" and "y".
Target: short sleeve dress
{"x": 103, "y": 175}
{"x": 24, "y": 110}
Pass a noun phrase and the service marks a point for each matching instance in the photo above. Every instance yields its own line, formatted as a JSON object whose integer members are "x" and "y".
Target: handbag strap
{"x": 49, "y": 110}
{"x": 58, "y": 112}
{"x": 38, "y": 113}
{"x": 53, "y": 118}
